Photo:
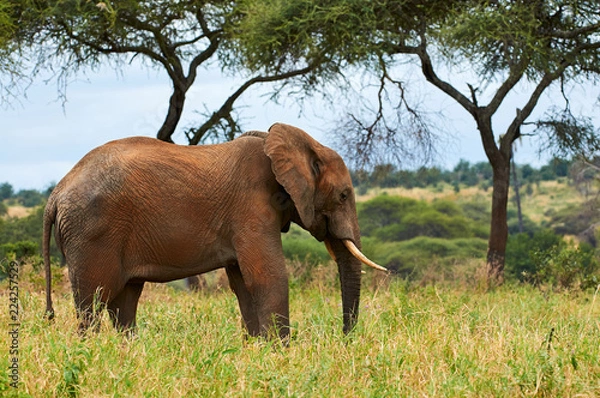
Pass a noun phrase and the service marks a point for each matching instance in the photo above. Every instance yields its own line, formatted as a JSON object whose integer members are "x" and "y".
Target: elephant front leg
{"x": 247, "y": 306}
{"x": 266, "y": 282}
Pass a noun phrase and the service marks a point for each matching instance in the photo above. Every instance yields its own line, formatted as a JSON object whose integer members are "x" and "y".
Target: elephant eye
{"x": 343, "y": 196}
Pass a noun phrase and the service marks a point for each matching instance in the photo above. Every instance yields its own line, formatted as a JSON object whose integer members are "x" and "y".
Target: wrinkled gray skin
{"x": 140, "y": 210}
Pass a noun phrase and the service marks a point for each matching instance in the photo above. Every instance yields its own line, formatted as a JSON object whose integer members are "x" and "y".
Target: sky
{"x": 42, "y": 137}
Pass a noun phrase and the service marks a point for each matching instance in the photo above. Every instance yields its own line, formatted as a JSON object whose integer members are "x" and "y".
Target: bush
{"x": 529, "y": 226}
{"x": 545, "y": 258}
{"x": 30, "y": 197}
{"x": 408, "y": 258}
{"x": 566, "y": 266}
{"x": 519, "y": 263}
{"x": 385, "y": 210}
{"x": 18, "y": 251}
{"x": 396, "y": 219}
{"x": 575, "y": 218}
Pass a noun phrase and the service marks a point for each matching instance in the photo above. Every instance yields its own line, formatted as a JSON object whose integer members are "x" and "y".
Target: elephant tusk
{"x": 363, "y": 259}
{"x": 330, "y": 250}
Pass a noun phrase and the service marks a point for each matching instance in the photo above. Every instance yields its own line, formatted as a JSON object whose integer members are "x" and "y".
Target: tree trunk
{"x": 499, "y": 228}
{"x": 173, "y": 115}
{"x": 517, "y": 194}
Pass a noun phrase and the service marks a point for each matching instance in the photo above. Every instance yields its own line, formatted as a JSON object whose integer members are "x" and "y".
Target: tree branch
{"x": 224, "y": 112}
{"x": 433, "y": 78}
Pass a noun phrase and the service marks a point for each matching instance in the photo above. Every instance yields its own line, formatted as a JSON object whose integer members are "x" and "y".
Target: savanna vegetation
{"x": 415, "y": 221}
{"x": 431, "y": 327}
{"x": 475, "y": 53}
{"x": 411, "y": 341}
{"x": 434, "y": 326}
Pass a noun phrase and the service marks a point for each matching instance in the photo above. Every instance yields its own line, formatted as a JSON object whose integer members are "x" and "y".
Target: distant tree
{"x": 521, "y": 45}
{"x": 527, "y": 172}
{"x": 6, "y": 191}
{"x": 29, "y": 197}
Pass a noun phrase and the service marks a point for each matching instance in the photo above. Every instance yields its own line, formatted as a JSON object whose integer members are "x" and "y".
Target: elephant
{"x": 138, "y": 210}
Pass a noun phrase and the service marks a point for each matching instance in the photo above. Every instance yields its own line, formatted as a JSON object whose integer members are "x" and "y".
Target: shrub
{"x": 447, "y": 207}
{"x": 385, "y": 210}
{"x": 519, "y": 263}
{"x": 29, "y": 197}
{"x": 18, "y": 250}
{"x": 566, "y": 266}
{"x": 575, "y": 218}
{"x": 396, "y": 219}
{"x": 408, "y": 258}
{"x": 545, "y": 258}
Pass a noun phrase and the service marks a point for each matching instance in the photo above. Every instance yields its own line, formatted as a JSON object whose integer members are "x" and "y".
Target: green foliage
{"x": 29, "y": 197}
{"x": 10, "y": 65}
{"x": 545, "y": 258}
{"x": 532, "y": 32}
{"x": 574, "y": 219}
{"x": 519, "y": 262}
{"x": 385, "y": 211}
{"x": 409, "y": 258}
{"x": 566, "y": 266}
{"x": 463, "y": 174}
{"x": 19, "y": 250}
{"x": 529, "y": 226}
{"x": 6, "y": 191}
{"x": 392, "y": 218}
{"x": 26, "y": 229}
{"x": 299, "y": 245}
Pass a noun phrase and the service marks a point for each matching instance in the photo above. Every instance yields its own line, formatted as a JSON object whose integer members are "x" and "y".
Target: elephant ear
{"x": 295, "y": 163}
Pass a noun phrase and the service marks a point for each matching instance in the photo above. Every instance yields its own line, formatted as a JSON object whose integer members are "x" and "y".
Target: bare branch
{"x": 195, "y": 135}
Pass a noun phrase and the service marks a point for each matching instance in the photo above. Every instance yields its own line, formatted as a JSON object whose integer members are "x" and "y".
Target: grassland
{"x": 451, "y": 339}
{"x": 427, "y": 341}
{"x": 545, "y": 197}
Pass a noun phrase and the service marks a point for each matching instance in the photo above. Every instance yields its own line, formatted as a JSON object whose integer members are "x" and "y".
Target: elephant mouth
{"x": 356, "y": 253}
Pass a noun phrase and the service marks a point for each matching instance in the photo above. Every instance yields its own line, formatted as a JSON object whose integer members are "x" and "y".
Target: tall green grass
{"x": 410, "y": 341}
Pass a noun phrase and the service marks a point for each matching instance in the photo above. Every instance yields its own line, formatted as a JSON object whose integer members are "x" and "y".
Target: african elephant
{"x": 141, "y": 210}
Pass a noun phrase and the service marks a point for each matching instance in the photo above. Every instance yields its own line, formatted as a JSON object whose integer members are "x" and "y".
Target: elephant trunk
{"x": 350, "y": 275}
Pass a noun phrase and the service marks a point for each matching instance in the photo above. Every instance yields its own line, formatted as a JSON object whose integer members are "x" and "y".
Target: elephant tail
{"x": 49, "y": 220}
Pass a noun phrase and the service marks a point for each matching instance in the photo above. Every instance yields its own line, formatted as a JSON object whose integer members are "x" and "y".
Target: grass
{"x": 18, "y": 211}
{"x": 410, "y": 341}
{"x": 546, "y": 197}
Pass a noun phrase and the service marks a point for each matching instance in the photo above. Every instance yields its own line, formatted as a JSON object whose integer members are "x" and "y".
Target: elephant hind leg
{"x": 123, "y": 308}
{"x": 89, "y": 306}
{"x": 247, "y": 306}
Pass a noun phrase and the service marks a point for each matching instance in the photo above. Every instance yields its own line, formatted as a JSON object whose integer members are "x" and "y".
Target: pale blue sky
{"x": 42, "y": 139}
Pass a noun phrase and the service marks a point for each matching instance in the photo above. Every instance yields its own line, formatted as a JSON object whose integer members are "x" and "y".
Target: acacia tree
{"x": 175, "y": 36}
{"x": 505, "y": 45}
{"x": 10, "y": 68}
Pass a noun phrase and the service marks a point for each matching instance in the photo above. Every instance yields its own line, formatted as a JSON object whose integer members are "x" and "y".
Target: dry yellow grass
{"x": 442, "y": 191}
{"x": 18, "y": 211}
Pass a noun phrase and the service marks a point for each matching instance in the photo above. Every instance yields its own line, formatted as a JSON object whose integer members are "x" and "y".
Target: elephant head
{"x": 319, "y": 184}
